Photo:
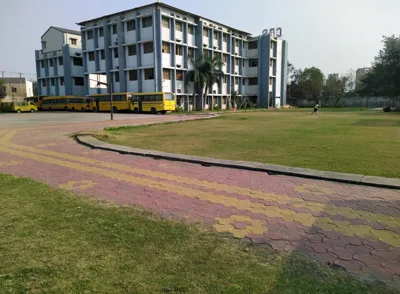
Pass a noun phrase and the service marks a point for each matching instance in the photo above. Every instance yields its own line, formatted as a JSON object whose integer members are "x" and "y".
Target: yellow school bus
{"x": 101, "y": 102}
{"x": 37, "y": 100}
{"x": 56, "y": 103}
{"x": 79, "y": 104}
{"x": 155, "y": 102}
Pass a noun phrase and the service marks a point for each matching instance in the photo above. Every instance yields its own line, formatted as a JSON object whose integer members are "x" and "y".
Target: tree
{"x": 311, "y": 82}
{"x": 213, "y": 74}
{"x": 334, "y": 87}
{"x": 204, "y": 74}
{"x": 35, "y": 88}
{"x": 2, "y": 89}
{"x": 197, "y": 77}
{"x": 384, "y": 76}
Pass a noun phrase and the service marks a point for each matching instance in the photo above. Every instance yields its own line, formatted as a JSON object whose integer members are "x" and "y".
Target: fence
{"x": 362, "y": 102}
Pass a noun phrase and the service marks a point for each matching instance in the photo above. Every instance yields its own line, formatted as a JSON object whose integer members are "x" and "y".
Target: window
{"x": 14, "y": 89}
{"x": 89, "y": 35}
{"x": 50, "y": 62}
{"x": 60, "y": 61}
{"x": 43, "y": 83}
{"x": 179, "y": 75}
{"x": 91, "y": 56}
{"x": 42, "y": 63}
{"x": 43, "y": 44}
{"x": 77, "y": 61}
{"x": 237, "y": 43}
{"x": 191, "y": 29}
{"x": 191, "y": 52}
{"x": 253, "y": 62}
{"x": 114, "y": 29}
{"x": 253, "y": 45}
{"x": 166, "y": 74}
{"x": 205, "y": 32}
{"x": 270, "y": 82}
{"x": 147, "y": 22}
{"x": 115, "y": 52}
{"x": 225, "y": 79}
{"x": 133, "y": 75}
{"x": 79, "y": 81}
{"x": 73, "y": 41}
{"x": 102, "y": 54}
{"x": 148, "y": 47}
{"x": 225, "y": 38}
{"x": 149, "y": 74}
{"x": 52, "y": 81}
{"x": 130, "y": 25}
{"x": 116, "y": 79}
{"x": 165, "y": 22}
{"x": 179, "y": 26}
{"x": 236, "y": 81}
{"x": 166, "y": 47}
{"x": 179, "y": 50}
{"x": 243, "y": 81}
{"x": 216, "y": 35}
{"x": 101, "y": 32}
{"x": 131, "y": 50}
{"x": 253, "y": 81}
{"x": 236, "y": 61}
{"x": 62, "y": 81}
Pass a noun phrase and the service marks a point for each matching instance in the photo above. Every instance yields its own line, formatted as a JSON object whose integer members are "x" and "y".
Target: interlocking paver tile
{"x": 328, "y": 221}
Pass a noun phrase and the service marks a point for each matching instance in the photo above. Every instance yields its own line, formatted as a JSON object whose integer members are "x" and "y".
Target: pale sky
{"x": 334, "y": 35}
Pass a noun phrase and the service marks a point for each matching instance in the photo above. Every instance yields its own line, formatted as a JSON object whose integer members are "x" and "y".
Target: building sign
{"x": 277, "y": 32}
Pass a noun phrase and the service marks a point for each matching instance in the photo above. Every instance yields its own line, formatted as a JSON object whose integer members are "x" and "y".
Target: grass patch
{"x": 54, "y": 242}
{"x": 361, "y": 142}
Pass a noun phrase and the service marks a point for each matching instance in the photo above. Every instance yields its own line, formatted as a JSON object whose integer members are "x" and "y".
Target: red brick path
{"x": 354, "y": 227}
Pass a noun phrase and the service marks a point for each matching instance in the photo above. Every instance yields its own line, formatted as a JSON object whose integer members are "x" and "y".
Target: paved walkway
{"x": 354, "y": 227}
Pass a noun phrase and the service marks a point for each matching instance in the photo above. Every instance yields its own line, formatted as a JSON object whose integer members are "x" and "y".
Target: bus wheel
{"x": 50, "y": 109}
{"x": 115, "y": 110}
{"x": 82, "y": 109}
{"x": 73, "y": 109}
{"x": 136, "y": 110}
{"x": 32, "y": 110}
{"x": 163, "y": 112}
{"x": 19, "y": 110}
{"x": 66, "y": 108}
{"x": 153, "y": 111}
{"x": 94, "y": 109}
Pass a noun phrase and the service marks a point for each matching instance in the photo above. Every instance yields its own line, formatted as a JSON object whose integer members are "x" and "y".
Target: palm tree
{"x": 213, "y": 74}
{"x": 205, "y": 73}
{"x": 197, "y": 77}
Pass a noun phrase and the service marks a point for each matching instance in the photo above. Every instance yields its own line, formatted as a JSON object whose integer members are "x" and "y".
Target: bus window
{"x": 169, "y": 96}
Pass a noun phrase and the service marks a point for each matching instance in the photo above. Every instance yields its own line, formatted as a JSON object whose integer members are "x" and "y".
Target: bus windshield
{"x": 169, "y": 96}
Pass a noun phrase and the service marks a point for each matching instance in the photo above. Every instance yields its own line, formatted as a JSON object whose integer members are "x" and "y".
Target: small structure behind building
{"x": 16, "y": 89}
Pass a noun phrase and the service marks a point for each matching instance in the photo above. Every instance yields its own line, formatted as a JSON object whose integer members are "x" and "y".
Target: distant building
{"x": 148, "y": 49}
{"x": 360, "y": 74}
{"x": 59, "y": 64}
{"x": 16, "y": 89}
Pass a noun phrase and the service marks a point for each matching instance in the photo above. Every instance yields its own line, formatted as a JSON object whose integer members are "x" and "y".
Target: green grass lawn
{"x": 55, "y": 242}
{"x": 361, "y": 142}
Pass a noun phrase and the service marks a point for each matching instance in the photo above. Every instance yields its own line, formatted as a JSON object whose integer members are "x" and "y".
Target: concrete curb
{"x": 390, "y": 183}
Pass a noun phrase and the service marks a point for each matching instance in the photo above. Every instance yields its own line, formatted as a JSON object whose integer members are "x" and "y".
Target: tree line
{"x": 383, "y": 78}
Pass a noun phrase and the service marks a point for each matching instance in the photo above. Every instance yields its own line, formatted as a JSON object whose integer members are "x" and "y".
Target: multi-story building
{"x": 15, "y": 89}
{"x": 59, "y": 64}
{"x": 147, "y": 49}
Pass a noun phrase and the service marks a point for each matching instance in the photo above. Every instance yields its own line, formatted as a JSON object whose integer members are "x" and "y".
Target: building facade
{"x": 15, "y": 89}
{"x": 59, "y": 64}
{"x": 148, "y": 49}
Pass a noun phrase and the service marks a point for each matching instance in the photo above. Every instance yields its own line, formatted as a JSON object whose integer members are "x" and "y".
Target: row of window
{"x": 78, "y": 81}
{"x": 129, "y": 26}
{"x": 77, "y": 61}
{"x": 116, "y": 98}
{"x": 149, "y": 75}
